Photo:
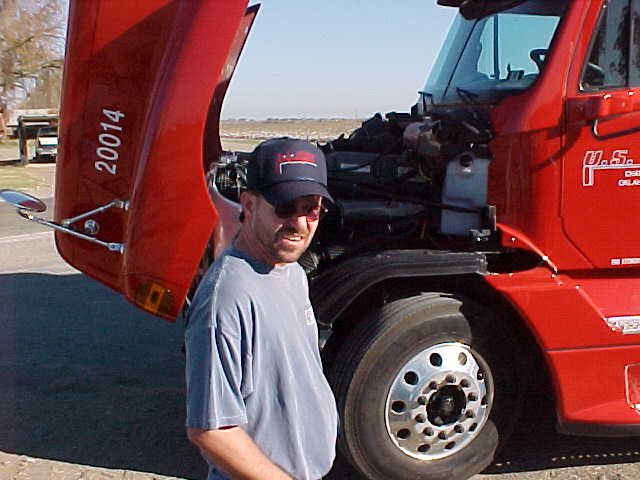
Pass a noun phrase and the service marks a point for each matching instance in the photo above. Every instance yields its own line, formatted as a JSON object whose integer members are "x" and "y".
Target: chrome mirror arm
{"x": 123, "y": 204}
{"x": 111, "y": 246}
{"x": 26, "y": 204}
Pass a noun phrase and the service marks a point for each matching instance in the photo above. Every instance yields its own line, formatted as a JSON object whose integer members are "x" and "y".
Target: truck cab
{"x": 468, "y": 245}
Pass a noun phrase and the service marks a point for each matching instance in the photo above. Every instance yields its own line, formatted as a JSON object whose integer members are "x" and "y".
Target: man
{"x": 258, "y": 404}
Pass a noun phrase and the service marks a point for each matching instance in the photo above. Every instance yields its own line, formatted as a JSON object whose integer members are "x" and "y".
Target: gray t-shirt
{"x": 253, "y": 361}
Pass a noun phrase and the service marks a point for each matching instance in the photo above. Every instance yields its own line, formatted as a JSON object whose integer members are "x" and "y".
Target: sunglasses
{"x": 290, "y": 209}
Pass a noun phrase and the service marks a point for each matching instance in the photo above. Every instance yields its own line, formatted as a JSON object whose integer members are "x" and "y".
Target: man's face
{"x": 278, "y": 235}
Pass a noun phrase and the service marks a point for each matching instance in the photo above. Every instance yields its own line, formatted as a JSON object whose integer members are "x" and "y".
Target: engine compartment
{"x": 405, "y": 181}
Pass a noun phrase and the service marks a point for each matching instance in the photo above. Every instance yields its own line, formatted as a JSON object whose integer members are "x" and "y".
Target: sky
{"x": 336, "y": 58}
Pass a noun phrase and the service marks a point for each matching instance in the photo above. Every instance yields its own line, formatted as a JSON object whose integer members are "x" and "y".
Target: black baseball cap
{"x": 283, "y": 169}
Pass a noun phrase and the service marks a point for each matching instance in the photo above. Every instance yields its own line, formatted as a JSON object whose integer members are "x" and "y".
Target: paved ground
{"x": 36, "y": 179}
{"x": 22, "y": 467}
{"x": 92, "y": 388}
{"x": 44, "y": 372}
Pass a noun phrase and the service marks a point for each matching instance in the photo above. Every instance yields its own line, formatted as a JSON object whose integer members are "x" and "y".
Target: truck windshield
{"x": 48, "y": 132}
{"x": 484, "y": 59}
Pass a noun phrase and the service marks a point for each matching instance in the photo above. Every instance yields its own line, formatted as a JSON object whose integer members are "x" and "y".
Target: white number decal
{"x": 104, "y": 165}
{"x": 113, "y": 115}
{"x": 109, "y": 142}
{"x": 108, "y": 126}
{"x": 107, "y": 153}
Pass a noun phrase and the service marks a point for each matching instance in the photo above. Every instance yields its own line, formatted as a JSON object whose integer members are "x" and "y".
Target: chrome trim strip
{"x": 627, "y": 325}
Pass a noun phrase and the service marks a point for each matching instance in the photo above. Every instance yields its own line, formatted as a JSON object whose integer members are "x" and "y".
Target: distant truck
{"x": 42, "y": 129}
{"x": 481, "y": 246}
{"x": 46, "y": 144}
{"x": 13, "y": 115}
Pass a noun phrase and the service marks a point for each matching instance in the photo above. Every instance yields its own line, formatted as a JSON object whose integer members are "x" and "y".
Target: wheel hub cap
{"x": 447, "y": 405}
{"x": 439, "y": 401}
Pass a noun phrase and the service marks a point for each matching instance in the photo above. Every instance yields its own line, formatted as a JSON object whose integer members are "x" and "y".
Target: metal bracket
{"x": 66, "y": 223}
{"x": 123, "y": 204}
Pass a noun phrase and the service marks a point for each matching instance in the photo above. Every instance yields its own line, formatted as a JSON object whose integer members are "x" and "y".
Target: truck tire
{"x": 417, "y": 386}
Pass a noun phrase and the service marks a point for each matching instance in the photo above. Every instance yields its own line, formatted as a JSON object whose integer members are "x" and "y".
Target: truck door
{"x": 601, "y": 169}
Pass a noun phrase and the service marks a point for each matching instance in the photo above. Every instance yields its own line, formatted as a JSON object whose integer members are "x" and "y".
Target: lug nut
{"x": 458, "y": 429}
{"x": 422, "y": 400}
{"x": 420, "y": 418}
{"x": 433, "y": 385}
{"x": 428, "y": 431}
{"x": 480, "y": 376}
{"x": 472, "y": 397}
{"x": 451, "y": 379}
{"x": 464, "y": 383}
{"x": 442, "y": 436}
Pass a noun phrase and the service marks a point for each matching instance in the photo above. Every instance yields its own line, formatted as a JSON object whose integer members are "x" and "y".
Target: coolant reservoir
{"x": 465, "y": 185}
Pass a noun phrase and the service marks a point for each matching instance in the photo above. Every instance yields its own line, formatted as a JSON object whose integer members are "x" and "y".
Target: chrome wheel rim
{"x": 439, "y": 401}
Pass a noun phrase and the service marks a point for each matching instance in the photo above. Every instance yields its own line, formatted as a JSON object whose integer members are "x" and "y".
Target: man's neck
{"x": 242, "y": 244}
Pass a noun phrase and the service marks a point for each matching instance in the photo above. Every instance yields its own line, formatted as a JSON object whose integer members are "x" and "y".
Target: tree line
{"x": 32, "y": 37}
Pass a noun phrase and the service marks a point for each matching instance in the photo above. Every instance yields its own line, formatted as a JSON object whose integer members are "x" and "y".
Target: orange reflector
{"x": 154, "y": 298}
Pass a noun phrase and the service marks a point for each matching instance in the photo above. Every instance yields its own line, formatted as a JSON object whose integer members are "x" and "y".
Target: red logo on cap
{"x": 297, "y": 158}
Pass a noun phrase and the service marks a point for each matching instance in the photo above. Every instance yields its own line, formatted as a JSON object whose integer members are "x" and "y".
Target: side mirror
{"x": 28, "y": 204}
{"x": 23, "y": 201}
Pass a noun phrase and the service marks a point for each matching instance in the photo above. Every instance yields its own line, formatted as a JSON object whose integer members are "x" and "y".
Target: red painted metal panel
{"x": 570, "y": 312}
{"x": 525, "y": 181}
{"x": 586, "y": 358}
{"x": 554, "y": 309}
{"x": 159, "y": 63}
{"x": 591, "y": 385}
{"x": 601, "y": 195}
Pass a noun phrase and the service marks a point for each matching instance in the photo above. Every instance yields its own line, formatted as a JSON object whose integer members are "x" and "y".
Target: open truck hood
{"x": 142, "y": 91}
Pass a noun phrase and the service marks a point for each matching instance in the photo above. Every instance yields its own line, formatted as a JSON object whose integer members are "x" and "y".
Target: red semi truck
{"x": 487, "y": 234}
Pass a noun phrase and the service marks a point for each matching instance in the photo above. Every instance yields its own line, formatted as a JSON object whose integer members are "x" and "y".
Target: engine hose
{"x": 402, "y": 178}
{"x": 407, "y": 198}
{"x": 381, "y": 155}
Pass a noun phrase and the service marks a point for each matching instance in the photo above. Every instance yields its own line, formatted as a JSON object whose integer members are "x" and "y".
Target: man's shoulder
{"x": 226, "y": 287}
{"x": 231, "y": 274}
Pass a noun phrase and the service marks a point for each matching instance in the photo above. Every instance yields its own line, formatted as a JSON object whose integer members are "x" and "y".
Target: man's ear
{"x": 248, "y": 203}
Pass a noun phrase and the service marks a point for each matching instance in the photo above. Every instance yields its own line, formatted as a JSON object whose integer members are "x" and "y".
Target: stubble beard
{"x": 283, "y": 252}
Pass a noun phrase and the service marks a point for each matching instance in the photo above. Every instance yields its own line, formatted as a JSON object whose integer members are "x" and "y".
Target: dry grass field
{"x": 9, "y": 150}
{"x": 243, "y": 136}
{"x": 307, "y": 129}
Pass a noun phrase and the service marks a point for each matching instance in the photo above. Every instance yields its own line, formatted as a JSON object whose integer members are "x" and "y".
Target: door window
{"x": 608, "y": 64}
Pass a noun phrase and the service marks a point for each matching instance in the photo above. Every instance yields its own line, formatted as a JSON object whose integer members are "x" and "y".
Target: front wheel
{"x": 418, "y": 385}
